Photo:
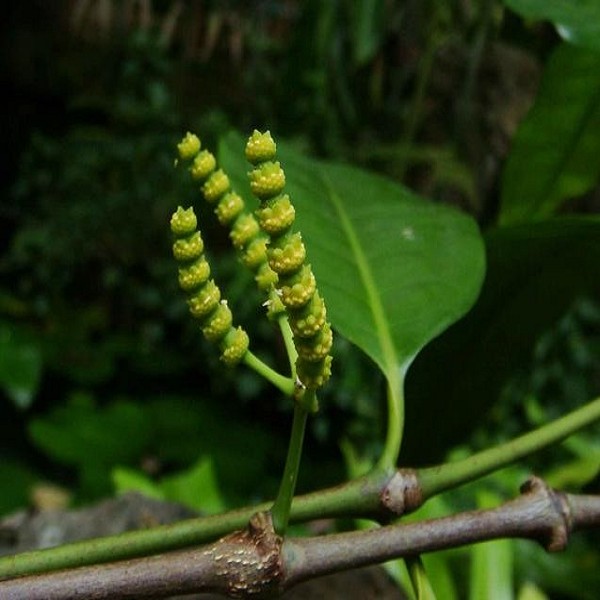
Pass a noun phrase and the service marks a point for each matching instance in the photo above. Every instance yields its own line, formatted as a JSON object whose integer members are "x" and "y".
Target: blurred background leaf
{"x": 558, "y": 142}
{"x": 534, "y": 275}
{"x": 580, "y": 26}
{"x": 20, "y": 364}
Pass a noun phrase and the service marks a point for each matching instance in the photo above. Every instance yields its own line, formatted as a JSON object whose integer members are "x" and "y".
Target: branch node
{"x": 556, "y": 536}
{"x": 402, "y": 493}
{"x": 249, "y": 561}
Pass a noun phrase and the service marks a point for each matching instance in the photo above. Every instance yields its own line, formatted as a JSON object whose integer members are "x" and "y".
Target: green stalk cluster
{"x": 230, "y": 209}
{"x": 204, "y": 297}
{"x": 286, "y": 256}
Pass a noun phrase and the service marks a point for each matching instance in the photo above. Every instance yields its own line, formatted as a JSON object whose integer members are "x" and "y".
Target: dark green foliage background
{"x": 100, "y": 365}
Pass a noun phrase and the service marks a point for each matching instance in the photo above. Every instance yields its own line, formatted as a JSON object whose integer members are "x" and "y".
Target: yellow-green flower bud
{"x": 314, "y": 374}
{"x": 299, "y": 288}
{"x": 255, "y": 253}
{"x": 317, "y": 347}
{"x": 183, "y": 221}
{"x": 204, "y": 164}
{"x": 188, "y": 248}
{"x": 215, "y": 186}
{"x": 288, "y": 255}
{"x": 229, "y": 207}
{"x": 189, "y": 146}
{"x": 235, "y": 345}
{"x": 218, "y": 323}
{"x": 195, "y": 275}
{"x": 307, "y": 321}
{"x": 267, "y": 180}
{"x": 260, "y": 147}
{"x": 277, "y": 215}
{"x": 244, "y": 230}
{"x": 265, "y": 277}
{"x": 205, "y": 300}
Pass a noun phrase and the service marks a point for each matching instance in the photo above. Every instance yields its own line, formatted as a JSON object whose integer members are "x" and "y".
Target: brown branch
{"x": 255, "y": 562}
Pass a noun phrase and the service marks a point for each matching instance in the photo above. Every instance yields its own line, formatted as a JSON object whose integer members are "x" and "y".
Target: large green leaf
{"x": 395, "y": 270}
{"x": 535, "y": 272}
{"x": 577, "y": 21}
{"x": 556, "y": 152}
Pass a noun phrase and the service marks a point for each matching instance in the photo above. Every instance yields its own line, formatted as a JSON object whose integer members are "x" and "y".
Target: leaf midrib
{"x": 382, "y": 326}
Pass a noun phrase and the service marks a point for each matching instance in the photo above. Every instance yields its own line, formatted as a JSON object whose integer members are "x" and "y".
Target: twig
{"x": 255, "y": 562}
{"x": 379, "y": 495}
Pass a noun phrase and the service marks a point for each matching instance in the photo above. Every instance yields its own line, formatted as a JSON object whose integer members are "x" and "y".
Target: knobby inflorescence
{"x": 230, "y": 209}
{"x": 267, "y": 245}
{"x": 286, "y": 254}
{"x": 204, "y": 296}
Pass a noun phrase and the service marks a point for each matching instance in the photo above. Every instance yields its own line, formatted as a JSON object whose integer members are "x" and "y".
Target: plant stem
{"x": 284, "y": 384}
{"x": 288, "y": 340}
{"x": 262, "y": 563}
{"x": 440, "y": 478}
{"x": 283, "y": 502}
{"x": 418, "y": 577}
{"x": 395, "y": 426}
{"x": 357, "y": 498}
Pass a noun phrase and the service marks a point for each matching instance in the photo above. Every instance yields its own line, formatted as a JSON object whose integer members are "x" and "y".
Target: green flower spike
{"x": 204, "y": 297}
{"x": 286, "y": 254}
{"x": 245, "y": 232}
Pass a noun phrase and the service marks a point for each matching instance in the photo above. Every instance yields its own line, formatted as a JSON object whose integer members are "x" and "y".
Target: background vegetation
{"x": 105, "y": 382}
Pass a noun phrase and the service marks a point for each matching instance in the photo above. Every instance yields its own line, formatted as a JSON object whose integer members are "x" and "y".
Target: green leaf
{"x": 556, "y": 152}
{"x": 420, "y": 581}
{"x": 78, "y": 432}
{"x": 20, "y": 365}
{"x": 577, "y": 22}
{"x": 197, "y": 487}
{"x": 535, "y": 273}
{"x": 366, "y": 26}
{"x": 530, "y": 591}
{"x": 131, "y": 480}
{"x": 394, "y": 269}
